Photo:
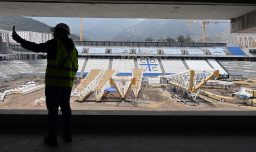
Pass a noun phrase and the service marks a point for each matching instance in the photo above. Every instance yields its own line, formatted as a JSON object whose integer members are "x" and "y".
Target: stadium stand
{"x": 198, "y": 65}
{"x": 96, "y": 64}
{"x": 10, "y": 73}
{"x": 217, "y": 66}
{"x": 194, "y": 51}
{"x": 246, "y": 69}
{"x": 150, "y": 65}
{"x": 236, "y": 51}
{"x": 97, "y": 50}
{"x": 118, "y": 50}
{"x": 173, "y": 66}
{"x": 217, "y": 51}
{"x": 40, "y": 66}
{"x": 148, "y": 50}
{"x": 167, "y": 50}
{"x": 81, "y": 62}
{"x": 24, "y": 68}
{"x": 123, "y": 66}
{"x": 82, "y": 49}
{"x": 15, "y": 69}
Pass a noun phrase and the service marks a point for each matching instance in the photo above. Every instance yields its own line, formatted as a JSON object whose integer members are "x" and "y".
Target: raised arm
{"x": 41, "y": 47}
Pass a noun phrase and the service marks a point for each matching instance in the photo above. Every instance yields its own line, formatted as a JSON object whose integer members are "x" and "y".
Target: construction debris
{"x": 40, "y": 101}
{"x": 243, "y": 94}
{"x": 218, "y": 83}
{"x": 27, "y": 88}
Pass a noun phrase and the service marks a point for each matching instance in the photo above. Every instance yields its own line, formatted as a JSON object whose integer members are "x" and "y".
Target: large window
{"x": 135, "y": 65}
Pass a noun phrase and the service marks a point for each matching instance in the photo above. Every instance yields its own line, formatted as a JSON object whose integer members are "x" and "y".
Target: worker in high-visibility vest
{"x": 62, "y": 65}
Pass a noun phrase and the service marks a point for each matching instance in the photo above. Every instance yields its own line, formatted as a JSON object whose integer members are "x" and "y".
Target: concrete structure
{"x": 241, "y": 13}
{"x": 4, "y": 39}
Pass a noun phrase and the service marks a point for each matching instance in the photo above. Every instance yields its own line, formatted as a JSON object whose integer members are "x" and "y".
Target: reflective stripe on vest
{"x": 61, "y": 72}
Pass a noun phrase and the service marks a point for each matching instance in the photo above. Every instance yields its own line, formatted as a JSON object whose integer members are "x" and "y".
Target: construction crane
{"x": 81, "y": 29}
{"x": 204, "y": 23}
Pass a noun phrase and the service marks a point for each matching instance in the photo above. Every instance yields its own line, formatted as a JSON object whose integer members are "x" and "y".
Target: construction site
{"x": 140, "y": 80}
{"x": 137, "y": 76}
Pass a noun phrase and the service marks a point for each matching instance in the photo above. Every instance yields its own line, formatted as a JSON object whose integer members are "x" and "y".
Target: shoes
{"x": 67, "y": 137}
{"x": 51, "y": 141}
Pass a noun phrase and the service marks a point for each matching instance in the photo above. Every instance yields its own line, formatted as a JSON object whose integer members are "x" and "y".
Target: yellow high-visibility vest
{"x": 61, "y": 71}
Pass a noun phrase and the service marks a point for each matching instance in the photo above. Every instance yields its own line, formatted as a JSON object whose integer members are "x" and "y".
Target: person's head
{"x": 61, "y": 30}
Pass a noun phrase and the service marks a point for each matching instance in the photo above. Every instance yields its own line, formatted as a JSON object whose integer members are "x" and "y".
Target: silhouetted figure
{"x": 62, "y": 65}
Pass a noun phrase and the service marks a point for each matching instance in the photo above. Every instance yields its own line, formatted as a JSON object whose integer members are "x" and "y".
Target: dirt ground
{"x": 150, "y": 99}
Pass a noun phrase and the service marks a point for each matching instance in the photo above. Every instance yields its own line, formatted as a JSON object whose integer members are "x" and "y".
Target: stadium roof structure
{"x": 241, "y": 13}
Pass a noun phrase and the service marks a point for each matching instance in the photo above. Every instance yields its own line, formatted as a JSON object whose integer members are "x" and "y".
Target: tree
{"x": 161, "y": 39}
{"x": 188, "y": 39}
{"x": 170, "y": 40}
{"x": 149, "y": 39}
{"x": 180, "y": 38}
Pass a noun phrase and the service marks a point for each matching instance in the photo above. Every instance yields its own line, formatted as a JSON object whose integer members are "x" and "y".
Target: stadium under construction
{"x": 136, "y": 76}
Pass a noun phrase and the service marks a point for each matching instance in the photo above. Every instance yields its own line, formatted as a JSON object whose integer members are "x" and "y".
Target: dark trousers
{"x": 58, "y": 97}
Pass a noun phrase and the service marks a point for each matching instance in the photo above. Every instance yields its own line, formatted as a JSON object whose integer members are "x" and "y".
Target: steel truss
{"x": 192, "y": 80}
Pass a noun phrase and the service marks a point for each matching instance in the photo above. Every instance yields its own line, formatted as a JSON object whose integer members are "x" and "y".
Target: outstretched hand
{"x": 15, "y": 36}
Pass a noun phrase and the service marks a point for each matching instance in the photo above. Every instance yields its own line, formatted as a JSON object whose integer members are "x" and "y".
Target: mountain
{"x": 161, "y": 28}
{"x": 124, "y": 29}
{"x": 25, "y": 24}
{"x": 102, "y": 29}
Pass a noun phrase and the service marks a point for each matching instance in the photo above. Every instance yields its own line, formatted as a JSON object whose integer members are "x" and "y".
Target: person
{"x": 62, "y": 65}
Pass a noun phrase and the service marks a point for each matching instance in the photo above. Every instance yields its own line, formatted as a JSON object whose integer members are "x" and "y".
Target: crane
{"x": 204, "y": 23}
{"x": 81, "y": 29}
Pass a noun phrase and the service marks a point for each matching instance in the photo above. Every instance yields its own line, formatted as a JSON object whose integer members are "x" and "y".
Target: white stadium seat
{"x": 96, "y": 64}
{"x": 80, "y": 64}
{"x": 97, "y": 50}
{"x": 123, "y": 65}
{"x": 198, "y": 65}
{"x": 118, "y": 50}
{"x": 217, "y": 51}
{"x": 147, "y": 50}
{"x": 173, "y": 66}
{"x": 217, "y": 66}
{"x": 245, "y": 68}
{"x": 195, "y": 51}
{"x": 171, "y": 50}
{"x": 82, "y": 49}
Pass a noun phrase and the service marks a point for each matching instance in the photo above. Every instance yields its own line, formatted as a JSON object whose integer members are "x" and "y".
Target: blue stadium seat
{"x": 84, "y": 74}
{"x": 236, "y": 51}
{"x": 151, "y": 74}
{"x": 124, "y": 74}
